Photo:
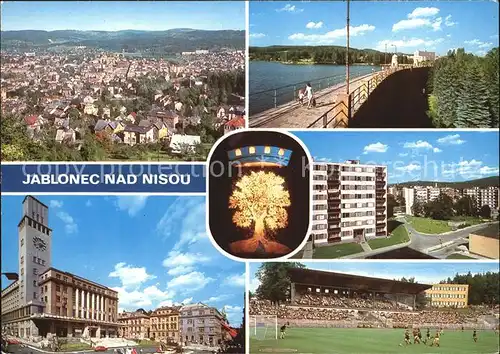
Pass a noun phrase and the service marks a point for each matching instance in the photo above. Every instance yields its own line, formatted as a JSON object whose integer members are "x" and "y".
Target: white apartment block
{"x": 349, "y": 202}
{"x": 481, "y": 196}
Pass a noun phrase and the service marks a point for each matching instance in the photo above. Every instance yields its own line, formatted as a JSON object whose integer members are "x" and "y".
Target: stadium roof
{"x": 354, "y": 282}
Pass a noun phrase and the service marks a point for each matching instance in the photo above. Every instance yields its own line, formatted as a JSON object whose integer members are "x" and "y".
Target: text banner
{"x": 100, "y": 178}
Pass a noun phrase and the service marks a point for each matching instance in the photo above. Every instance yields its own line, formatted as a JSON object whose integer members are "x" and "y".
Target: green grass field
{"x": 371, "y": 341}
{"x": 431, "y": 226}
{"x": 398, "y": 235}
{"x": 336, "y": 251}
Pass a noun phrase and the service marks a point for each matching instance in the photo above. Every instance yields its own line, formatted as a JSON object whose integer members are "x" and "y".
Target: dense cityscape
{"x": 87, "y": 104}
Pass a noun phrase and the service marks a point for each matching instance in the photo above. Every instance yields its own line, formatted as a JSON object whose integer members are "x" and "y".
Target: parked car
{"x": 100, "y": 348}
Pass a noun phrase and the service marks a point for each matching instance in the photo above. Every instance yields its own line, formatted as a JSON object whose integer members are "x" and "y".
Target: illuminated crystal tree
{"x": 260, "y": 200}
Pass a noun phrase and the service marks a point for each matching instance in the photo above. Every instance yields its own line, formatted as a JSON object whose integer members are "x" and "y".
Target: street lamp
{"x": 347, "y": 51}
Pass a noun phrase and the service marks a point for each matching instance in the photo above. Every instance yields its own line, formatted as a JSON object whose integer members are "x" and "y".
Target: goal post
{"x": 264, "y": 327}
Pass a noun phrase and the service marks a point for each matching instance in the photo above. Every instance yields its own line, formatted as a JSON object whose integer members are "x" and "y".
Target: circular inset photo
{"x": 259, "y": 194}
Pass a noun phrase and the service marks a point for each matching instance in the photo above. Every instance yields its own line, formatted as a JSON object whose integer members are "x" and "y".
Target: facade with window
{"x": 349, "y": 202}
{"x": 47, "y": 300}
{"x": 448, "y": 295}
{"x": 201, "y": 324}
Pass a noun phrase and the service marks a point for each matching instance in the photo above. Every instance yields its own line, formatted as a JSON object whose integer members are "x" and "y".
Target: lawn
{"x": 398, "y": 235}
{"x": 431, "y": 226}
{"x": 371, "y": 341}
{"x": 73, "y": 347}
{"x": 336, "y": 251}
{"x": 458, "y": 256}
{"x": 428, "y": 225}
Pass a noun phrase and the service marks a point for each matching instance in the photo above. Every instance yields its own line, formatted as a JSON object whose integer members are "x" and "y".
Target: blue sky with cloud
{"x": 410, "y": 25}
{"x": 411, "y": 155}
{"x": 424, "y": 272}
{"x": 153, "y": 250}
{"x": 136, "y": 15}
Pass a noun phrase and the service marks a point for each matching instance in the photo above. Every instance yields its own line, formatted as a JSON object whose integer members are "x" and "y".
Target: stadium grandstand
{"x": 328, "y": 299}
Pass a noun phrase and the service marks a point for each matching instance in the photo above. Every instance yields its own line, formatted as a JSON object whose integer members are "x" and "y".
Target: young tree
{"x": 275, "y": 281}
{"x": 260, "y": 200}
{"x": 485, "y": 211}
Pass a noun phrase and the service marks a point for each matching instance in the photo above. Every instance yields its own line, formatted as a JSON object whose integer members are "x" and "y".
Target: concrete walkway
{"x": 308, "y": 251}
{"x": 294, "y": 115}
{"x": 366, "y": 247}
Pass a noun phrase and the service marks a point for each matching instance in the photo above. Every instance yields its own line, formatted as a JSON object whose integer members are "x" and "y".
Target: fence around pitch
{"x": 388, "y": 324}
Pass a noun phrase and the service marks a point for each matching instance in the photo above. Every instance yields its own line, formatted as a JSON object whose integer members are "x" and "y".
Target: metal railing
{"x": 272, "y": 98}
{"x": 356, "y": 98}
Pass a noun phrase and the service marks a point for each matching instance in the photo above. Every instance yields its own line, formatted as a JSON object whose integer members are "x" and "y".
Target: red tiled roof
{"x": 30, "y": 120}
{"x": 238, "y": 122}
{"x": 133, "y": 114}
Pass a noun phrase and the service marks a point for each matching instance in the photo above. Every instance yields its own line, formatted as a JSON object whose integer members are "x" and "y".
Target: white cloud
{"x": 448, "y": 22}
{"x": 131, "y": 204}
{"x": 70, "y": 225}
{"x": 424, "y": 12}
{"x": 257, "y": 35}
{"x": 56, "y": 203}
{"x": 289, "y": 8}
{"x": 229, "y": 308}
{"x": 332, "y": 36}
{"x": 409, "y": 168}
{"x": 188, "y": 214}
{"x": 452, "y": 139}
{"x": 409, "y": 43}
{"x": 235, "y": 280}
{"x": 375, "y": 147}
{"x": 190, "y": 282}
{"x": 254, "y": 284}
{"x": 403, "y": 154}
{"x": 420, "y": 144}
{"x": 436, "y": 150}
{"x": 420, "y": 17}
{"x": 479, "y": 44}
{"x": 436, "y": 25}
{"x": 181, "y": 263}
{"x": 166, "y": 303}
{"x": 214, "y": 299}
{"x": 187, "y": 301}
{"x": 134, "y": 299}
{"x": 469, "y": 169}
{"x": 130, "y": 276}
{"x": 314, "y": 25}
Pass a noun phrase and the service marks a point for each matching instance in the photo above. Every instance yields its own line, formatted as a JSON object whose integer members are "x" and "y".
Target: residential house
{"x": 134, "y": 134}
{"x": 236, "y": 123}
{"x": 65, "y": 135}
{"x": 91, "y": 109}
{"x": 181, "y": 143}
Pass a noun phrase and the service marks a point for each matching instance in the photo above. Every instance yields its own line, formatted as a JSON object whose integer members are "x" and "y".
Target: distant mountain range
{"x": 169, "y": 41}
{"x": 492, "y": 181}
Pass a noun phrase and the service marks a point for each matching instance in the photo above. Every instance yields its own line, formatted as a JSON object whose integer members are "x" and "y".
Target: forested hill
{"x": 322, "y": 55}
{"x": 481, "y": 182}
{"x": 173, "y": 41}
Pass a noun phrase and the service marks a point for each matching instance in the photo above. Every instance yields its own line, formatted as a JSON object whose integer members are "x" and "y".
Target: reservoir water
{"x": 288, "y": 79}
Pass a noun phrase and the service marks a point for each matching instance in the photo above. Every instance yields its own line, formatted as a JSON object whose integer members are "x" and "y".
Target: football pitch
{"x": 369, "y": 341}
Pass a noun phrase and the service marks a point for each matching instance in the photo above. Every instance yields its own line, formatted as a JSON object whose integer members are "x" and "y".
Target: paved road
{"x": 421, "y": 242}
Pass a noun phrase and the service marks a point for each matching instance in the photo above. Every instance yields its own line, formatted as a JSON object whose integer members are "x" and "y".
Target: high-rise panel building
{"x": 349, "y": 202}
{"x": 47, "y": 300}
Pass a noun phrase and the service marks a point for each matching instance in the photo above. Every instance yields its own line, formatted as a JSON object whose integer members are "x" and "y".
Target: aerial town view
{"x": 164, "y": 86}
{"x": 68, "y": 284}
{"x": 374, "y": 308}
{"x": 410, "y": 195}
{"x": 373, "y": 64}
